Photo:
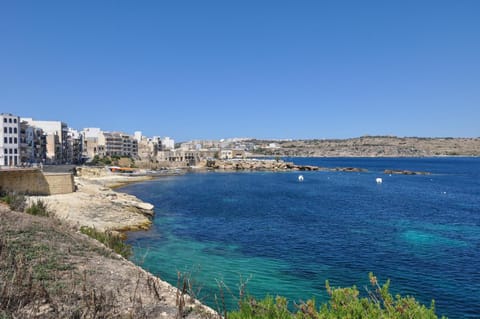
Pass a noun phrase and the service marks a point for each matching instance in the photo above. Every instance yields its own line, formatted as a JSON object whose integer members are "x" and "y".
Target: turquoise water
{"x": 287, "y": 238}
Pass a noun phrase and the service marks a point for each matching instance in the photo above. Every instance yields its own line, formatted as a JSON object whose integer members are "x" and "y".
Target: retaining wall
{"x": 36, "y": 182}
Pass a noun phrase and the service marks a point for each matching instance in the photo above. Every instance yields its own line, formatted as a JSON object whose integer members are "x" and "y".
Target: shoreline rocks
{"x": 271, "y": 165}
{"x": 94, "y": 204}
{"x": 404, "y": 172}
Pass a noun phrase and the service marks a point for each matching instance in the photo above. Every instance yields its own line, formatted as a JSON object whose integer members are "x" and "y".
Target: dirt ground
{"x": 50, "y": 270}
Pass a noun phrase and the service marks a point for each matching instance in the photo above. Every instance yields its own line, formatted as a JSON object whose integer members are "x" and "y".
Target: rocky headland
{"x": 370, "y": 146}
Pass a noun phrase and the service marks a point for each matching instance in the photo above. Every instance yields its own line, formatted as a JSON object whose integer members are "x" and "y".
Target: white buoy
{"x": 300, "y": 178}
{"x": 379, "y": 180}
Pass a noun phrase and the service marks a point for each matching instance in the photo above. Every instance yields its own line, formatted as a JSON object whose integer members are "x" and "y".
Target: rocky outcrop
{"x": 272, "y": 165}
{"x": 404, "y": 172}
{"x": 98, "y": 206}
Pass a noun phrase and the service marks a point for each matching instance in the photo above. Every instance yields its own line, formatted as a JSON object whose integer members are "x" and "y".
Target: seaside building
{"x": 147, "y": 149}
{"x": 178, "y": 158}
{"x": 90, "y": 142}
{"x": 168, "y": 144}
{"x": 75, "y": 146}
{"x": 34, "y": 140}
{"x": 56, "y": 139}
{"x": 117, "y": 144}
{"x": 9, "y": 140}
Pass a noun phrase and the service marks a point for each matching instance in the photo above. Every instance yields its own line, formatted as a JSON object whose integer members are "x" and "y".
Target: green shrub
{"x": 110, "y": 240}
{"x": 343, "y": 303}
{"x": 14, "y": 200}
{"x": 38, "y": 208}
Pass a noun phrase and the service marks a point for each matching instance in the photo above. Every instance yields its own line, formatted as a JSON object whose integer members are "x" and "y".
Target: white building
{"x": 57, "y": 139}
{"x": 75, "y": 146}
{"x": 35, "y": 150}
{"x": 90, "y": 142}
{"x": 168, "y": 144}
{"x": 138, "y": 135}
{"x": 9, "y": 140}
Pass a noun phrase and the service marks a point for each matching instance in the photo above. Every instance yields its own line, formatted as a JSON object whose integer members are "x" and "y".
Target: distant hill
{"x": 371, "y": 146}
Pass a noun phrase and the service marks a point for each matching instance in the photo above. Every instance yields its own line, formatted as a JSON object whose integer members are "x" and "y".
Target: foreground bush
{"x": 110, "y": 240}
{"x": 343, "y": 303}
{"x": 38, "y": 208}
{"x": 14, "y": 200}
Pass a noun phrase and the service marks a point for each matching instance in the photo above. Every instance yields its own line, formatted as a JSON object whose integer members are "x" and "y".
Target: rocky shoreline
{"x": 271, "y": 165}
{"x": 95, "y": 204}
{"x": 280, "y": 165}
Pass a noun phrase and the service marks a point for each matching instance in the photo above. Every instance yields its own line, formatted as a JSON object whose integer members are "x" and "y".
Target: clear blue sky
{"x": 267, "y": 69}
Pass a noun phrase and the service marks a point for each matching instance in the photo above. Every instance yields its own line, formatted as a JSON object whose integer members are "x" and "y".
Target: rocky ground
{"x": 50, "y": 270}
{"x": 95, "y": 204}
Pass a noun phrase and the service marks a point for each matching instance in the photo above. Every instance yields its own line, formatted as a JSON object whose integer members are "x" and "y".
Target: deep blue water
{"x": 422, "y": 231}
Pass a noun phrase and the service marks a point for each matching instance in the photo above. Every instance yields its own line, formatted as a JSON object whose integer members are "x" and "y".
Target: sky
{"x": 264, "y": 69}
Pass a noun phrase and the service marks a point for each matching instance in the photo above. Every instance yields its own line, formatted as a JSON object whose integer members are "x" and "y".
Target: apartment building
{"x": 75, "y": 147}
{"x": 35, "y": 141}
{"x": 147, "y": 148}
{"x": 56, "y": 139}
{"x": 117, "y": 144}
{"x": 90, "y": 142}
{"x": 9, "y": 140}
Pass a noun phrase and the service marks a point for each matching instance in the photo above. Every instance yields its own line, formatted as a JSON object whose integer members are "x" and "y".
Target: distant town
{"x": 26, "y": 142}
{"x": 30, "y": 142}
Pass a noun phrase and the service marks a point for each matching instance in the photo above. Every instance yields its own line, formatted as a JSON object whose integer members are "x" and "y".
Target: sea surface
{"x": 286, "y": 237}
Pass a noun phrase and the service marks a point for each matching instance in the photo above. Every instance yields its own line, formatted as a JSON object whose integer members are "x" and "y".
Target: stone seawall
{"x": 35, "y": 182}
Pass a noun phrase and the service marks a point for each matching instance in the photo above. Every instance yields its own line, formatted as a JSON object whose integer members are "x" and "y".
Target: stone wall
{"x": 35, "y": 182}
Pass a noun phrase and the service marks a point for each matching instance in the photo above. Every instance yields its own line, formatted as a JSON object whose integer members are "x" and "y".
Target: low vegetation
{"x": 343, "y": 303}
{"x": 14, "y": 200}
{"x": 38, "y": 208}
{"x": 110, "y": 240}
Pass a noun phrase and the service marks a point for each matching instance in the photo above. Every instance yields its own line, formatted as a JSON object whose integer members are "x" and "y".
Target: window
{"x": 15, "y": 140}
{"x": 11, "y": 140}
{"x": 15, "y": 130}
{"x": 10, "y": 130}
{"x": 5, "y": 140}
{"x": 10, "y": 151}
{"x": 14, "y": 120}
{"x": 15, "y": 151}
{"x": 5, "y": 120}
{"x": 5, "y": 130}
{"x": 9, "y": 120}
{"x": 5, "y": 151}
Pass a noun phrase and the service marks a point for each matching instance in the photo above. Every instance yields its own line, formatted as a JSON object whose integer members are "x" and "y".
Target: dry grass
{"x": 48, "y": 270}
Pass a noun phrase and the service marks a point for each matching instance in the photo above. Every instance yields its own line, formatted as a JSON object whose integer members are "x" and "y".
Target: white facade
{"x": 9, "y": 140}
{"x": 91, "y": 132}
{"x": 75, "y": 146}
{"x": 168, "y": 144}
{"x": 138, "y": 135}
{"x": 57, "y": 139}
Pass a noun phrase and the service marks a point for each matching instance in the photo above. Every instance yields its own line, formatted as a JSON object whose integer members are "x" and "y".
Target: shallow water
{"x": 287, "y": 237}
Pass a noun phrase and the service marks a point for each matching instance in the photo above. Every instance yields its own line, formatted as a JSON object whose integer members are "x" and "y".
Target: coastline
{"x": 95, "y": 204}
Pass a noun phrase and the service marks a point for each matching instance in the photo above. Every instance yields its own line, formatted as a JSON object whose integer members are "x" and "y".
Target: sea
{"x": 275, "y": 235}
